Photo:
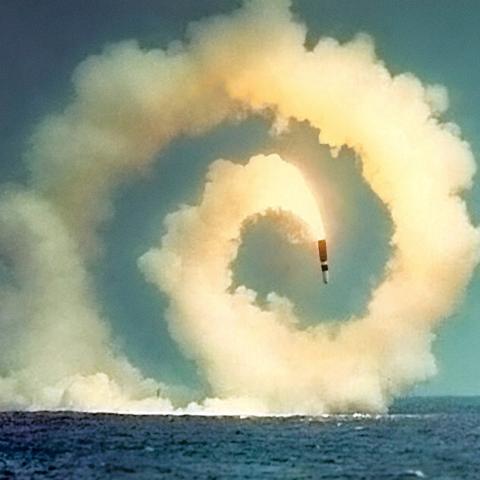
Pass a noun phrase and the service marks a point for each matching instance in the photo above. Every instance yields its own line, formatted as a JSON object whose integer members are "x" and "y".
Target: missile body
{"x": 322, "y": 253}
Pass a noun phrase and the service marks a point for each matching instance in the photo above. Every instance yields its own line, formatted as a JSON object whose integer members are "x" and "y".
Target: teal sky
{"x": 437, "y": 40}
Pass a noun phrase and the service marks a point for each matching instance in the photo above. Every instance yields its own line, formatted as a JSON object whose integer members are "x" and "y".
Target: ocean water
{"x": 437, "y": 438}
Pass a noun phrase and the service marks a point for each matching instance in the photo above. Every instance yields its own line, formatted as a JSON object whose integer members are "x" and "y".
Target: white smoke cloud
{"x": 244, "y": 350}
{"x": 54, "y": 340}
{"x": 57, "y": 351}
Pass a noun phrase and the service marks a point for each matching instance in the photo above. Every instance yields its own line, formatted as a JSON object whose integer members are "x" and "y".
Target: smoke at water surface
{"x": 56, "y": 350}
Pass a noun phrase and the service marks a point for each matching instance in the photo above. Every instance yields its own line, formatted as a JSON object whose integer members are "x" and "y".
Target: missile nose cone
{"x": 325, "y": 276}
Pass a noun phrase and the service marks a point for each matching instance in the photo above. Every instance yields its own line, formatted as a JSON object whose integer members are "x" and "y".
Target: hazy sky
{"x": 438, "y": 40}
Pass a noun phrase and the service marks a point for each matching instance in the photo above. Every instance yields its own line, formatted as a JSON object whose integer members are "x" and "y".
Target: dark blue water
{"x": 422, "y": 438}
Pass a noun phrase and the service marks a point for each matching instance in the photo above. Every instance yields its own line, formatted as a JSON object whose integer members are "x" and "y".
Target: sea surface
{"x": 437, "y": 438}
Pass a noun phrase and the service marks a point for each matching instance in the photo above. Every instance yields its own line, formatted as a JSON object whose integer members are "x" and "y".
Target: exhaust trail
{"x": 247, "y": 353}
{"x": 128, "y": 104}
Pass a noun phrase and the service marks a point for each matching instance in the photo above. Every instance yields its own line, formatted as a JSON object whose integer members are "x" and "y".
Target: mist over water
{"x": 56, "y": 346}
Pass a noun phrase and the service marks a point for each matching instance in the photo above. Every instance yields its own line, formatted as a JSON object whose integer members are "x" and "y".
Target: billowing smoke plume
{"x": 246, "y": 351}
{"x": 56, "y": 350}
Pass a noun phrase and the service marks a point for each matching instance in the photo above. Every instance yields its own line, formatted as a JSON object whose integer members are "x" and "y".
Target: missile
{"x": 322, "y": 253}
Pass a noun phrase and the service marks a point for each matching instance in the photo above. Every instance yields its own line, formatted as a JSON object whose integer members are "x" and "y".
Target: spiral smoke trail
{"x": 56, "y": 350}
